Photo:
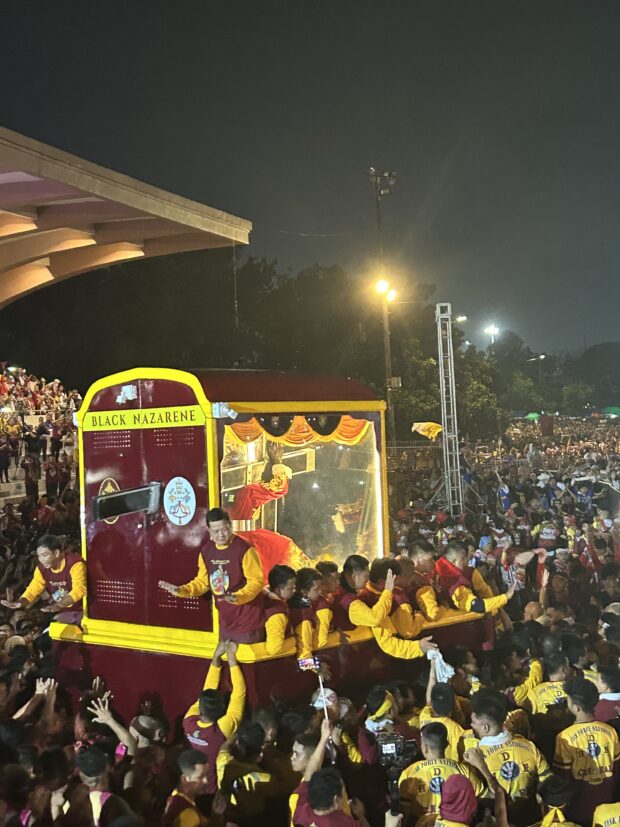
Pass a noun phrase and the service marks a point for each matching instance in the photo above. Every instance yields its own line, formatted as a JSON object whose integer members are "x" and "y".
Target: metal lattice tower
{"x": 453, "y": 485}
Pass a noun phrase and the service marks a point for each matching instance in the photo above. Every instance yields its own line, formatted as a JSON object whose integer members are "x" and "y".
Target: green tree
{"x": 575, "y": 396}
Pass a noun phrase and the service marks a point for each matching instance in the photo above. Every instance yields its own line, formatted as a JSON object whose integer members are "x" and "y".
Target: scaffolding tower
{"x": 452, "y": 482}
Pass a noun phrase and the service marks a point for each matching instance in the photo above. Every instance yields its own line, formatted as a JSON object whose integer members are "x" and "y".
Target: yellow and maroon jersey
{"x": 516, "y": 763}
{"x": 420, "y": 784}
{"x": 590, "y": 752}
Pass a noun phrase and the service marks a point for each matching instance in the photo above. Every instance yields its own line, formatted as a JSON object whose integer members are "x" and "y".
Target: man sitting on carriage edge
{"x": 230, "y": 568}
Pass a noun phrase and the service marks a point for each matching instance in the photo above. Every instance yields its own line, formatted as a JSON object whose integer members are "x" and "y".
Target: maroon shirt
{"x": 225, "y": 570}
{"x": 60, "y": 581}
{"x": 342, "y": 602}
{"x": 297, "y": 614}
{"x": 208, "y": 740}
{"x": 306, "y": 817}
{"x": 608, "y": 707}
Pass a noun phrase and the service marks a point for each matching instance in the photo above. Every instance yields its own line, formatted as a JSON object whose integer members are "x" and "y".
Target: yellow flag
{"x": 430, "y": 430}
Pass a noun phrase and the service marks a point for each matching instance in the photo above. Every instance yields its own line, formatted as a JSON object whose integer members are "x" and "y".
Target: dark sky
{"x": 501, "y": 118}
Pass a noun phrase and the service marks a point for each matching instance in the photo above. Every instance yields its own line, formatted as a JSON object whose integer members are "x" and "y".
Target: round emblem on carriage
{"x": 179, "y": 501}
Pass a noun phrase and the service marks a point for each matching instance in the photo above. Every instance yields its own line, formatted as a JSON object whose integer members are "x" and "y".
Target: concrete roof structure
{"x": 61, "y": 216}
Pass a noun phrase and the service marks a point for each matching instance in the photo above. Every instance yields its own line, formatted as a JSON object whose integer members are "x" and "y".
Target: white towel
{"x": 443, "y": 670}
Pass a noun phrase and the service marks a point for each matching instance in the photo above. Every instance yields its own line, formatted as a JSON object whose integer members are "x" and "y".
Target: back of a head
{"x": 420, "y": 548}
{"x": 490, "y": 703}
{"x": 380, "y": 567}
{"x": 556, "y": 791}
{"x": 249, "y": 742}
{"x": 267, "y": 717}
{"x": 554, "y": 663}
{"x": 575, "y": 648}
{"x": 189, "y": 759}
{"x": 376, "y": 699}
{"x": 54, "y": 765}
{"x": 325, "y": 567}
{"x": 435, "y": 736}
{"x": 15, "y": 786}
{"x": 405, "y": 564}
{"x": 92, "y": 763}
{"x": 442, "y": 699}
{"x": 211, "y": 704}
{"x": 324, "y": 786}
{"x": 582, "y": 692}
{"x": 550, "y": 643}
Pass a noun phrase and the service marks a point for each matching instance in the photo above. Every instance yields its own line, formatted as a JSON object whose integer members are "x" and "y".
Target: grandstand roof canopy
{"x": 61, "y": 216}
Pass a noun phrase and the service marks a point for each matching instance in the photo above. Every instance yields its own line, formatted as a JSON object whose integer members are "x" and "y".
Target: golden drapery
{"x": 349, "y": 431}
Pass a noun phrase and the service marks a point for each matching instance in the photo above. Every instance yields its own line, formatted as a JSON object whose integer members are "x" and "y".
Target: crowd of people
{"x": 24, "y": 394}
{"x": 520, "y": 731}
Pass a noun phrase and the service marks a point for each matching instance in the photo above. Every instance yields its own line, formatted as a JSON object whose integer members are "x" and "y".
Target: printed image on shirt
{"x": 220, "y": 581}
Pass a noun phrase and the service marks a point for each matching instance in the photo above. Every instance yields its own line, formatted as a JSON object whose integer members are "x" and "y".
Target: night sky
{"x": 501, "y": 119}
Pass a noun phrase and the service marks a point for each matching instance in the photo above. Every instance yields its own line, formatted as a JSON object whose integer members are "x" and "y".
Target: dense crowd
{"x": 522, "y": 730}
{"x": 29, "y": 445}
{"x": 24, "y": 394}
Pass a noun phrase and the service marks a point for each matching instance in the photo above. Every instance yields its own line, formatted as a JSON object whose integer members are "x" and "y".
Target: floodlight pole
{"x": 452, "y": 484}
{"x": 382, "y": 184}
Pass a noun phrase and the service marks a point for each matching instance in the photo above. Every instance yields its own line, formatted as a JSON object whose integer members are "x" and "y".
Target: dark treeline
{"x": 179, "y": 311}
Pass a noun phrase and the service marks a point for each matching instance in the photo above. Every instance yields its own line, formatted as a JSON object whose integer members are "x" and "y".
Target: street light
{"x": 537, "y": 358}
{"x": 461, "y": 319}
{"x": 388, "y": 294}
{"x": 492, "y": 330}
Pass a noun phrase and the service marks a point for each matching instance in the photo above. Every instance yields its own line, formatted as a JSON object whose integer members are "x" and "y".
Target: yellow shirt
{"x": 546, "y": 694}
{"x": 324, "y": 617}
{"x": 515, "y": 762}
{"x": 252, "y": 570}
{"x": 607, "y": 815}
{"x": 463, "y": 598}
{"x": 589, "y": 751}
{"x": 378, "y": 619}
{"x": 455, "y": 731}
{"x": 535, "y": 676}
{"x": 420, "y": 784}
{"x": 276, "y": 628}
{"x": 77, "y": 572}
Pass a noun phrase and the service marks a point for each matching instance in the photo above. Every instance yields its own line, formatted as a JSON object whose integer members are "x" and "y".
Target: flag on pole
{"x": 430, "y": 430}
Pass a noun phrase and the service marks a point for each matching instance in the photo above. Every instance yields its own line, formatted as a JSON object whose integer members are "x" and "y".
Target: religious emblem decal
{"x": 180, "y": 501}
{"x": 109, "y": 486}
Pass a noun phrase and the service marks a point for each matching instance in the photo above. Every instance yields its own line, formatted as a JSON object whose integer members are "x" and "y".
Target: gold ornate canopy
{"x": 61, "y": 216}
